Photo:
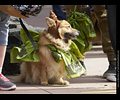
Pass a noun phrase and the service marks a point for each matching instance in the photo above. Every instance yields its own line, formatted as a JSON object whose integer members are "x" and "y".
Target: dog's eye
{"x": 69, "y": 26}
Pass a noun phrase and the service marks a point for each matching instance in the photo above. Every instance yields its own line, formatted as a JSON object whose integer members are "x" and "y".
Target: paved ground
{"x": 93, "y": 83}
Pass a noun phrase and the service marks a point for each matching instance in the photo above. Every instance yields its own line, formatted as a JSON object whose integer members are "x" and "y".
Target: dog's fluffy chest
{"x": 54, "y": 69}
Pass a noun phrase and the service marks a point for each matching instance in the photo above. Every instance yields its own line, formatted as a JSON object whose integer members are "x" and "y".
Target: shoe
{"x": 111, "y": 70}
{"x": 111, "y": 78}
{"x": 5, "y": 84}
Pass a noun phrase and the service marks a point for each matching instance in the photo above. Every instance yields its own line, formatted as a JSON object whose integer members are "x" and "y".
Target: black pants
{"x": 111, "y": 15}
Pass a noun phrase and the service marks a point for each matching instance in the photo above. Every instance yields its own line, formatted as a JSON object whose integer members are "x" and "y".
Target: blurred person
{"x": 21, "y": 11}
{"x": 111, "y": 16}
{"x": 101, "y": 15}
{"x": 59, "y": 11}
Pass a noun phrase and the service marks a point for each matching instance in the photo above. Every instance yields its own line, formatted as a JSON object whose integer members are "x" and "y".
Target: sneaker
{"x": 5, "y": 84}
{"x": 111, "y": 70}
{"x": 111, "y": 78}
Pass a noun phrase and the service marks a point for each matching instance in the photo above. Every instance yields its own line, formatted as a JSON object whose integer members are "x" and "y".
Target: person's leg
{"x": 103, "y": 25}
{"x": 2, "y": 56}
{"x": 5, "y": 84}
{"x": 4, "y": 28}
{"x": 57, "y": 9}
{"x": 111, "y": 16}
{"x": 106, "y": 43}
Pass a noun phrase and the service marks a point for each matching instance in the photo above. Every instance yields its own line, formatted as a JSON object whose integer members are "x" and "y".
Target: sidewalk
{"x": 93, "y": 83}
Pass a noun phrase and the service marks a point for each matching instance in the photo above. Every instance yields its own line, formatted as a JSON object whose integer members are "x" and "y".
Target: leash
{"x": 28, "y": 34}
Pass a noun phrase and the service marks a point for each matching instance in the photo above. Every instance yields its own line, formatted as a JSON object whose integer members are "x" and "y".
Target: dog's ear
{"x": 50, "y": 22}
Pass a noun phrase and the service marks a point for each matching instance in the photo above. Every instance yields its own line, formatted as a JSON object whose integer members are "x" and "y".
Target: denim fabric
{"x": 4, "y": 28}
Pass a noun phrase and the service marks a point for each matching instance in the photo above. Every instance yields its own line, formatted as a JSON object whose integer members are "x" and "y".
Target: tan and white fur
{"x": 48, "y": 71}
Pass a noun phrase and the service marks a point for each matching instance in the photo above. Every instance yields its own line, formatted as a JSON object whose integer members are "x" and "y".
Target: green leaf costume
{"x": 82, "y": 23}
{"x": 27, "y": 53}
{"x": 73, "y": 67}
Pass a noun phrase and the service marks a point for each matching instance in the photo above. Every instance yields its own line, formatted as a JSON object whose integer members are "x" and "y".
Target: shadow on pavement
{"x": 88, "y": 79}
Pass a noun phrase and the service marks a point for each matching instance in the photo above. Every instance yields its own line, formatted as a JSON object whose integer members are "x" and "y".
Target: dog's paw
{"x": 44, "y": 83}
{"x": 64, "y": 83}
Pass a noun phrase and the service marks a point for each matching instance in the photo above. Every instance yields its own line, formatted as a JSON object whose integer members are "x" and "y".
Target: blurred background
{"x": 39, "y": 20}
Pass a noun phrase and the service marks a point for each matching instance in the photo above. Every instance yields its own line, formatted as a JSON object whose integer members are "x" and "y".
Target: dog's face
{"x": 66, "y": 31}
{"x": 61, "y": 29}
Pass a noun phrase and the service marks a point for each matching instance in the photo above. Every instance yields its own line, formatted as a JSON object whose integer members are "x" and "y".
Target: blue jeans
{"x": 57, "y": 9}
{"x": 4, "y": 28}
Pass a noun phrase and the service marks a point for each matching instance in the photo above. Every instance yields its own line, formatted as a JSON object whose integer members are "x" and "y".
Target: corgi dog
{"x": 59, "y": 33}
